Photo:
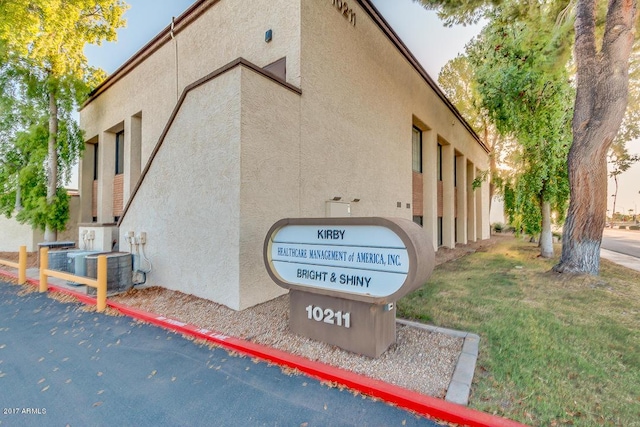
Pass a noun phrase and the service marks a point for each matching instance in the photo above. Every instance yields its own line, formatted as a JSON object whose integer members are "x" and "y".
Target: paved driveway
{"x": 62, "y": 365}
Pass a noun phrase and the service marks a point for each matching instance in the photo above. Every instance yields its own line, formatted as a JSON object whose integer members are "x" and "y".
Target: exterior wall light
{"x": 268, "y": 35}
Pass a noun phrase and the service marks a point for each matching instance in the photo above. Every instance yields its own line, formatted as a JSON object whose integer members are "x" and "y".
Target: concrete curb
{"x": 621, "y": 259}
{"x": 460, "y": 385}
{"x": 424, "y": 405}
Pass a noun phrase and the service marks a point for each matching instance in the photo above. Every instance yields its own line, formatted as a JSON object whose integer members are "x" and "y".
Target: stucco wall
{"x": 360, "y": 96}
{"x": 189, "y": 202}
{"x": 213, "y": 40}
{"x": 70, "y": 234}
{"x": 150, "y": 88}
{"x": 232, "y": 29}
{"x": 217, "y": 252}
{"x": 13, "y": 235}
{"x": 244, "y": 151}
{"x": 271, "y": 168}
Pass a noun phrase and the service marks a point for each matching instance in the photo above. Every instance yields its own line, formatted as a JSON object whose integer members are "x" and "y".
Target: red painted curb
{"x": 425, "y": 405}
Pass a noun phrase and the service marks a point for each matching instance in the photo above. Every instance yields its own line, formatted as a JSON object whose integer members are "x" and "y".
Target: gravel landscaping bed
{"x": 420, "y": 360}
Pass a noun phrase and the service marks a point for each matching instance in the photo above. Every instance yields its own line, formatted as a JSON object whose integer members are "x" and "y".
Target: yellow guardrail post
{"x": 22, "y": 265}
{"x": 100, "y": 282}
{"x": 44, "y": 265}
{"x": 101, "y": 300}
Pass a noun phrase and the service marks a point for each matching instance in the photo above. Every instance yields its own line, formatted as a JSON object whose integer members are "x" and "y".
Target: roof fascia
{"x": 377, "y": 18}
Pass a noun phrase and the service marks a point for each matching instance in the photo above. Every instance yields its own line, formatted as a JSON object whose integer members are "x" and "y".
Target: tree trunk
{"x": 582, "y": 233}
{"x": 546, "y": 237}
{"x": 615, "y": 198}
{"x": 601, "y": 100}
{"x": 18, "y": 205}
{"x": 51, "y": 235}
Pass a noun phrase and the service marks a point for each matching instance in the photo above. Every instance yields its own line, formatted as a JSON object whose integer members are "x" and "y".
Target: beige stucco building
{"x": 243, "y": 113}
{"x": 13, "y": 234}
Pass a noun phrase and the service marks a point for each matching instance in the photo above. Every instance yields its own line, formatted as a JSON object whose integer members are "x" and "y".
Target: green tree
{"x": 45, "y": 73}
{"x": 602, "y": 45}
{"x": 457, "y": 81}
{"x": 23, "y": 151}
{"x": 601, "y": 100}
{"x": 528, "y": 97}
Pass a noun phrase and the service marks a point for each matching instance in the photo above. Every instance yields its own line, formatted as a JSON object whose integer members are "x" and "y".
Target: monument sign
{"x": 345, "y": 275}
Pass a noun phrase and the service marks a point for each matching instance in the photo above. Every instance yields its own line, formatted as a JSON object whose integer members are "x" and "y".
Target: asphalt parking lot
{"x": 62, "y": 364}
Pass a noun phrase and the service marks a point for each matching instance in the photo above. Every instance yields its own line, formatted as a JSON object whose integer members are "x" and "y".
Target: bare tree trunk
{"x": 51, "y": 235}
{"x": 18, "y": 205}
{"x": 601, "y": 101}
{"x": 615, "y": 198}
{"x": 546, "y": 237}
{"x": 582, "y": 234}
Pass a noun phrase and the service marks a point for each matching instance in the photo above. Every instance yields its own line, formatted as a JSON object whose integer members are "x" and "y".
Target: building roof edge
{"x": 377, "y": 17}
{"x": 201, "y": 6}
{"x": 163, "y": 37}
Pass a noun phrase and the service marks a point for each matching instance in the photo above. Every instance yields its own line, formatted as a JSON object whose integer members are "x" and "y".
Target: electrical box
{"x": 336, "y": 209}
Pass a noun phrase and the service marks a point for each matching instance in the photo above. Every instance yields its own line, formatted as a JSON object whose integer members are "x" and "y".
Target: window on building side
{"x": 455, "y": 229}
{"x": 119, "y": 153}
{"x": 418, "y": 219}
{"x": 95, "y": 162}
{"x": 417, "y": 150}
{"x": 455, "y": 171}
{"x": 439, "y": 162}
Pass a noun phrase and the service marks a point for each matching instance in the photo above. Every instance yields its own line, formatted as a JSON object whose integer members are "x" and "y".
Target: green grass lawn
{"x": 554, "y": 350}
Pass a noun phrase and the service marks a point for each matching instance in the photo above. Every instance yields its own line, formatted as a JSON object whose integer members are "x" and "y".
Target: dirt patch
{"x": 32, "y": 258}
{"x": 445, "y": 254}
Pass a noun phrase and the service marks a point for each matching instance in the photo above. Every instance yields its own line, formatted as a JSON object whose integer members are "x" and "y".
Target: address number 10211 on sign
{"x": 327, "y": 315}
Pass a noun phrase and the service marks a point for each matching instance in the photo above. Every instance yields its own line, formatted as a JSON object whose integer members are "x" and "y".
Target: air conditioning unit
{"x": 77, "y": 264}
{"x": 58, "y": 260}
{"x": 119, "y": 269}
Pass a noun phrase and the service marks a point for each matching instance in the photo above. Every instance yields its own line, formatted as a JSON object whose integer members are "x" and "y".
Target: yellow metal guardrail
{"x": 100, "y": 283}
{"x": 21, "y": 265}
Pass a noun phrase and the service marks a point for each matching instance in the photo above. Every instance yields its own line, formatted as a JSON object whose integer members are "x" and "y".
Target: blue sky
{"x": 430, "y": 42}
{"x": 145, "y": 19}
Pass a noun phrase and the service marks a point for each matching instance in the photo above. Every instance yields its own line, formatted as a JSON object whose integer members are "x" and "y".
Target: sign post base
{"x": 360, "y": 327}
